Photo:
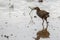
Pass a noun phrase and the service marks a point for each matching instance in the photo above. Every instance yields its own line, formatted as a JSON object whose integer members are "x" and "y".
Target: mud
{"x": 42, "y": 34}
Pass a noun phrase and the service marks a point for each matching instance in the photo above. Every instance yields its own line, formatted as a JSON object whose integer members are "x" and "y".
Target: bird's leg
{"x": 47, "y": 24}
{"x": 43, "y": 24}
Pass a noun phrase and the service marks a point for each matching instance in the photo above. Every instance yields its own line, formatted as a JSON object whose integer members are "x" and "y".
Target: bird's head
{"x": 36, "y": 8}
{"x": 48, "y": 14}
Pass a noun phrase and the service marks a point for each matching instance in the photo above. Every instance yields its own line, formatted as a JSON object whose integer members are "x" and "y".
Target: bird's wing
{"x": 44, "y": 12}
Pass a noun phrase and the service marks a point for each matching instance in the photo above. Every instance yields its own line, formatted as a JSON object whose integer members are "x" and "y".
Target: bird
{"x": 42, "y": 14}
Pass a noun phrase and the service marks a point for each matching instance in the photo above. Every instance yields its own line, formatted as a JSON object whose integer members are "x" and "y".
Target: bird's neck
{"x": 38, "y": 10}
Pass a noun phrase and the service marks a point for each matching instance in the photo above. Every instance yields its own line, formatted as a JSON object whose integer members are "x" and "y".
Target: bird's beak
{"x": 33, "y": 9}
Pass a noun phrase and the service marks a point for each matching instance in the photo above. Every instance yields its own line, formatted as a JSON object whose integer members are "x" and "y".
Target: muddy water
{"x": 42, "y": 34}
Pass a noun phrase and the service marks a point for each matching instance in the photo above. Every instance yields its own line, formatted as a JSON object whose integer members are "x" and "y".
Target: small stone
{"x": 6, "y": 22}
{"x": 35, "y": 29}
{"x": 6, "y": 36}
{"x": 1, "y": 35}
{"x": 35, "y": 16}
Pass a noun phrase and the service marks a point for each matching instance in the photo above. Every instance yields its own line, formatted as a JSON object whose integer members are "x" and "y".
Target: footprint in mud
{"x": 42, "y": 34}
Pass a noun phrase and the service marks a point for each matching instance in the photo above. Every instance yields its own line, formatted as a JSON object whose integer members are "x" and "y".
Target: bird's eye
{"x": 47, "y": 12}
